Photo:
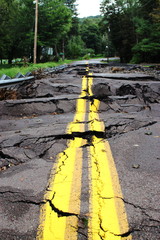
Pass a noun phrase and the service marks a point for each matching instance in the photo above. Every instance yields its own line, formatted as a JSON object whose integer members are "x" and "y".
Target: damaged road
{"x": 43, "y": 122}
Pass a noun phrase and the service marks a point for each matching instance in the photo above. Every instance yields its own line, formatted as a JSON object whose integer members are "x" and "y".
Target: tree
{"x": 118, "y": 19}
{"x": 155, "y": 14}
{"x": 133, "y": 28}
{"x": 54, "y": 24}
{"x": 16, "y": 28}
{"x": 71, "y": 4}
{"x": 75, "y": 47}
{"x": 4, "y": 12}
{"x": 146, "y": 8}
{"x": 91, "y": 34}
{"x": 147, "y": 24}
{"x": 6, "y": 16}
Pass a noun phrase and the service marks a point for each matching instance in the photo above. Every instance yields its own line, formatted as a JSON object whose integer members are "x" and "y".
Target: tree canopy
{"x": 127, "y": 28}
{"x": 133, "y": 28}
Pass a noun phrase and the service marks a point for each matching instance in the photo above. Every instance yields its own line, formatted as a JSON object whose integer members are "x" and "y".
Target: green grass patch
{"x": 11, "y": 70}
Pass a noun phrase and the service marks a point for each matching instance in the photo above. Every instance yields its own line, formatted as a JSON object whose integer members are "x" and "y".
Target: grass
{"x": 11, "y": 70}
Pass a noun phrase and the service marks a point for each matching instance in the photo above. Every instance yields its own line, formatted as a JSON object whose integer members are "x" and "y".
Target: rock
{"x": 136, "y": 166}
{"x": 101, "y": 90}
{"x": 126, "y": 90}
{"x": 148, "y": 133}
{"x": 117, "y": 69}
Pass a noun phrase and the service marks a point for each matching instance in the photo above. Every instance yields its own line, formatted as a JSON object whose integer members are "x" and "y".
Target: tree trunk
{"x": 63, "y": 56}
{"x": 10, "y": 60}
{"x": 10, "y": 56}
{"x": 56, "y": 52}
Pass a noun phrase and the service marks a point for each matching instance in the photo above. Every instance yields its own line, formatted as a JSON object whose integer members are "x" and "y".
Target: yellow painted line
{"x": 53, "y": 225}
{"x": 77, "y": 125}
{"x": 64, "y": 190}
{"x": 72, "y": 222}
{"x": 108, "y": 219}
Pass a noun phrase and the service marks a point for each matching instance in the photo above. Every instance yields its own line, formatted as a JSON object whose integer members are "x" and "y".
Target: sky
{"x": 88, "y": 7}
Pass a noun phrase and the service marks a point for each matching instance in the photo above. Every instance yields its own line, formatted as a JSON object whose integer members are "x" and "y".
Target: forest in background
{"x": 129, "y": 29}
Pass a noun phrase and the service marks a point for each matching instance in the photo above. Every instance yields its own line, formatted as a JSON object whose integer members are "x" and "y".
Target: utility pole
{"x": 35, "y": 33}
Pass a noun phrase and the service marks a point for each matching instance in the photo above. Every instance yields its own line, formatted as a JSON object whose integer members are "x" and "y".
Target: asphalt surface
{"x": 33, "y": 130}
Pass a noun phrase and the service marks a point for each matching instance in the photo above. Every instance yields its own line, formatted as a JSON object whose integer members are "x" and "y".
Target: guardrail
{"x": 10, "y": 82}
{"x": 6, "y": 81}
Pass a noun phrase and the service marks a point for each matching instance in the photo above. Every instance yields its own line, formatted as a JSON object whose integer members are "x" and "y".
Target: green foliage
{"x": 147, "y": 7}
{"x": 89, "y": 52}
{"x": 119, "y": 26}
{"x": 90, "y": 33}
{"x": 75, "y": 47}
{"x": 155, "y": 14}
{"x": 57, "y": 19}
{"x": 12, "y": 71}
{"x": 147, "y": 48}
{"x": 128, "y": 28}
{"x": 146, "y": 51}
{"x": 71, "y": 4}
{"x": 133, "y": 28}
{"x": 17, "y": 26}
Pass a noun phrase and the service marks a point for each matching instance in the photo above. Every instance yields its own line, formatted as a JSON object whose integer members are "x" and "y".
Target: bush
{"x": 146, "y": 51}
{"x": 137, "y": 58}
{"x": 75, "y": 47}
{"x": 88, "y": 51}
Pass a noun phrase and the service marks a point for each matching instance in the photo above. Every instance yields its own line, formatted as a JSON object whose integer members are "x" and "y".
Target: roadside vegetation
{"x": 133, "y": 28}
{"x": 12, "y": 69}
{"x": 129, "y": 29}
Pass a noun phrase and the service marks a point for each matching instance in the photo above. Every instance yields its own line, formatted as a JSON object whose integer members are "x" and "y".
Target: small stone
{"x": 148, "y": 133}
{"x": 17, "y": 131}
{"x": 3, "y": 168}
{"x": 136, "y": 145}
{"x": 136, "y": 166}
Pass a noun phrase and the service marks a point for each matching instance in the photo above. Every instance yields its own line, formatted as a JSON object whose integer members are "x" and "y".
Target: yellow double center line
{"x": 60, "y": 213}
{"x": 108, "y": 218}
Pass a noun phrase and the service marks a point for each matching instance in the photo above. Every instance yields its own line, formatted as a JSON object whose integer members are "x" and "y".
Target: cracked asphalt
{"x": 34, "y": 130}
